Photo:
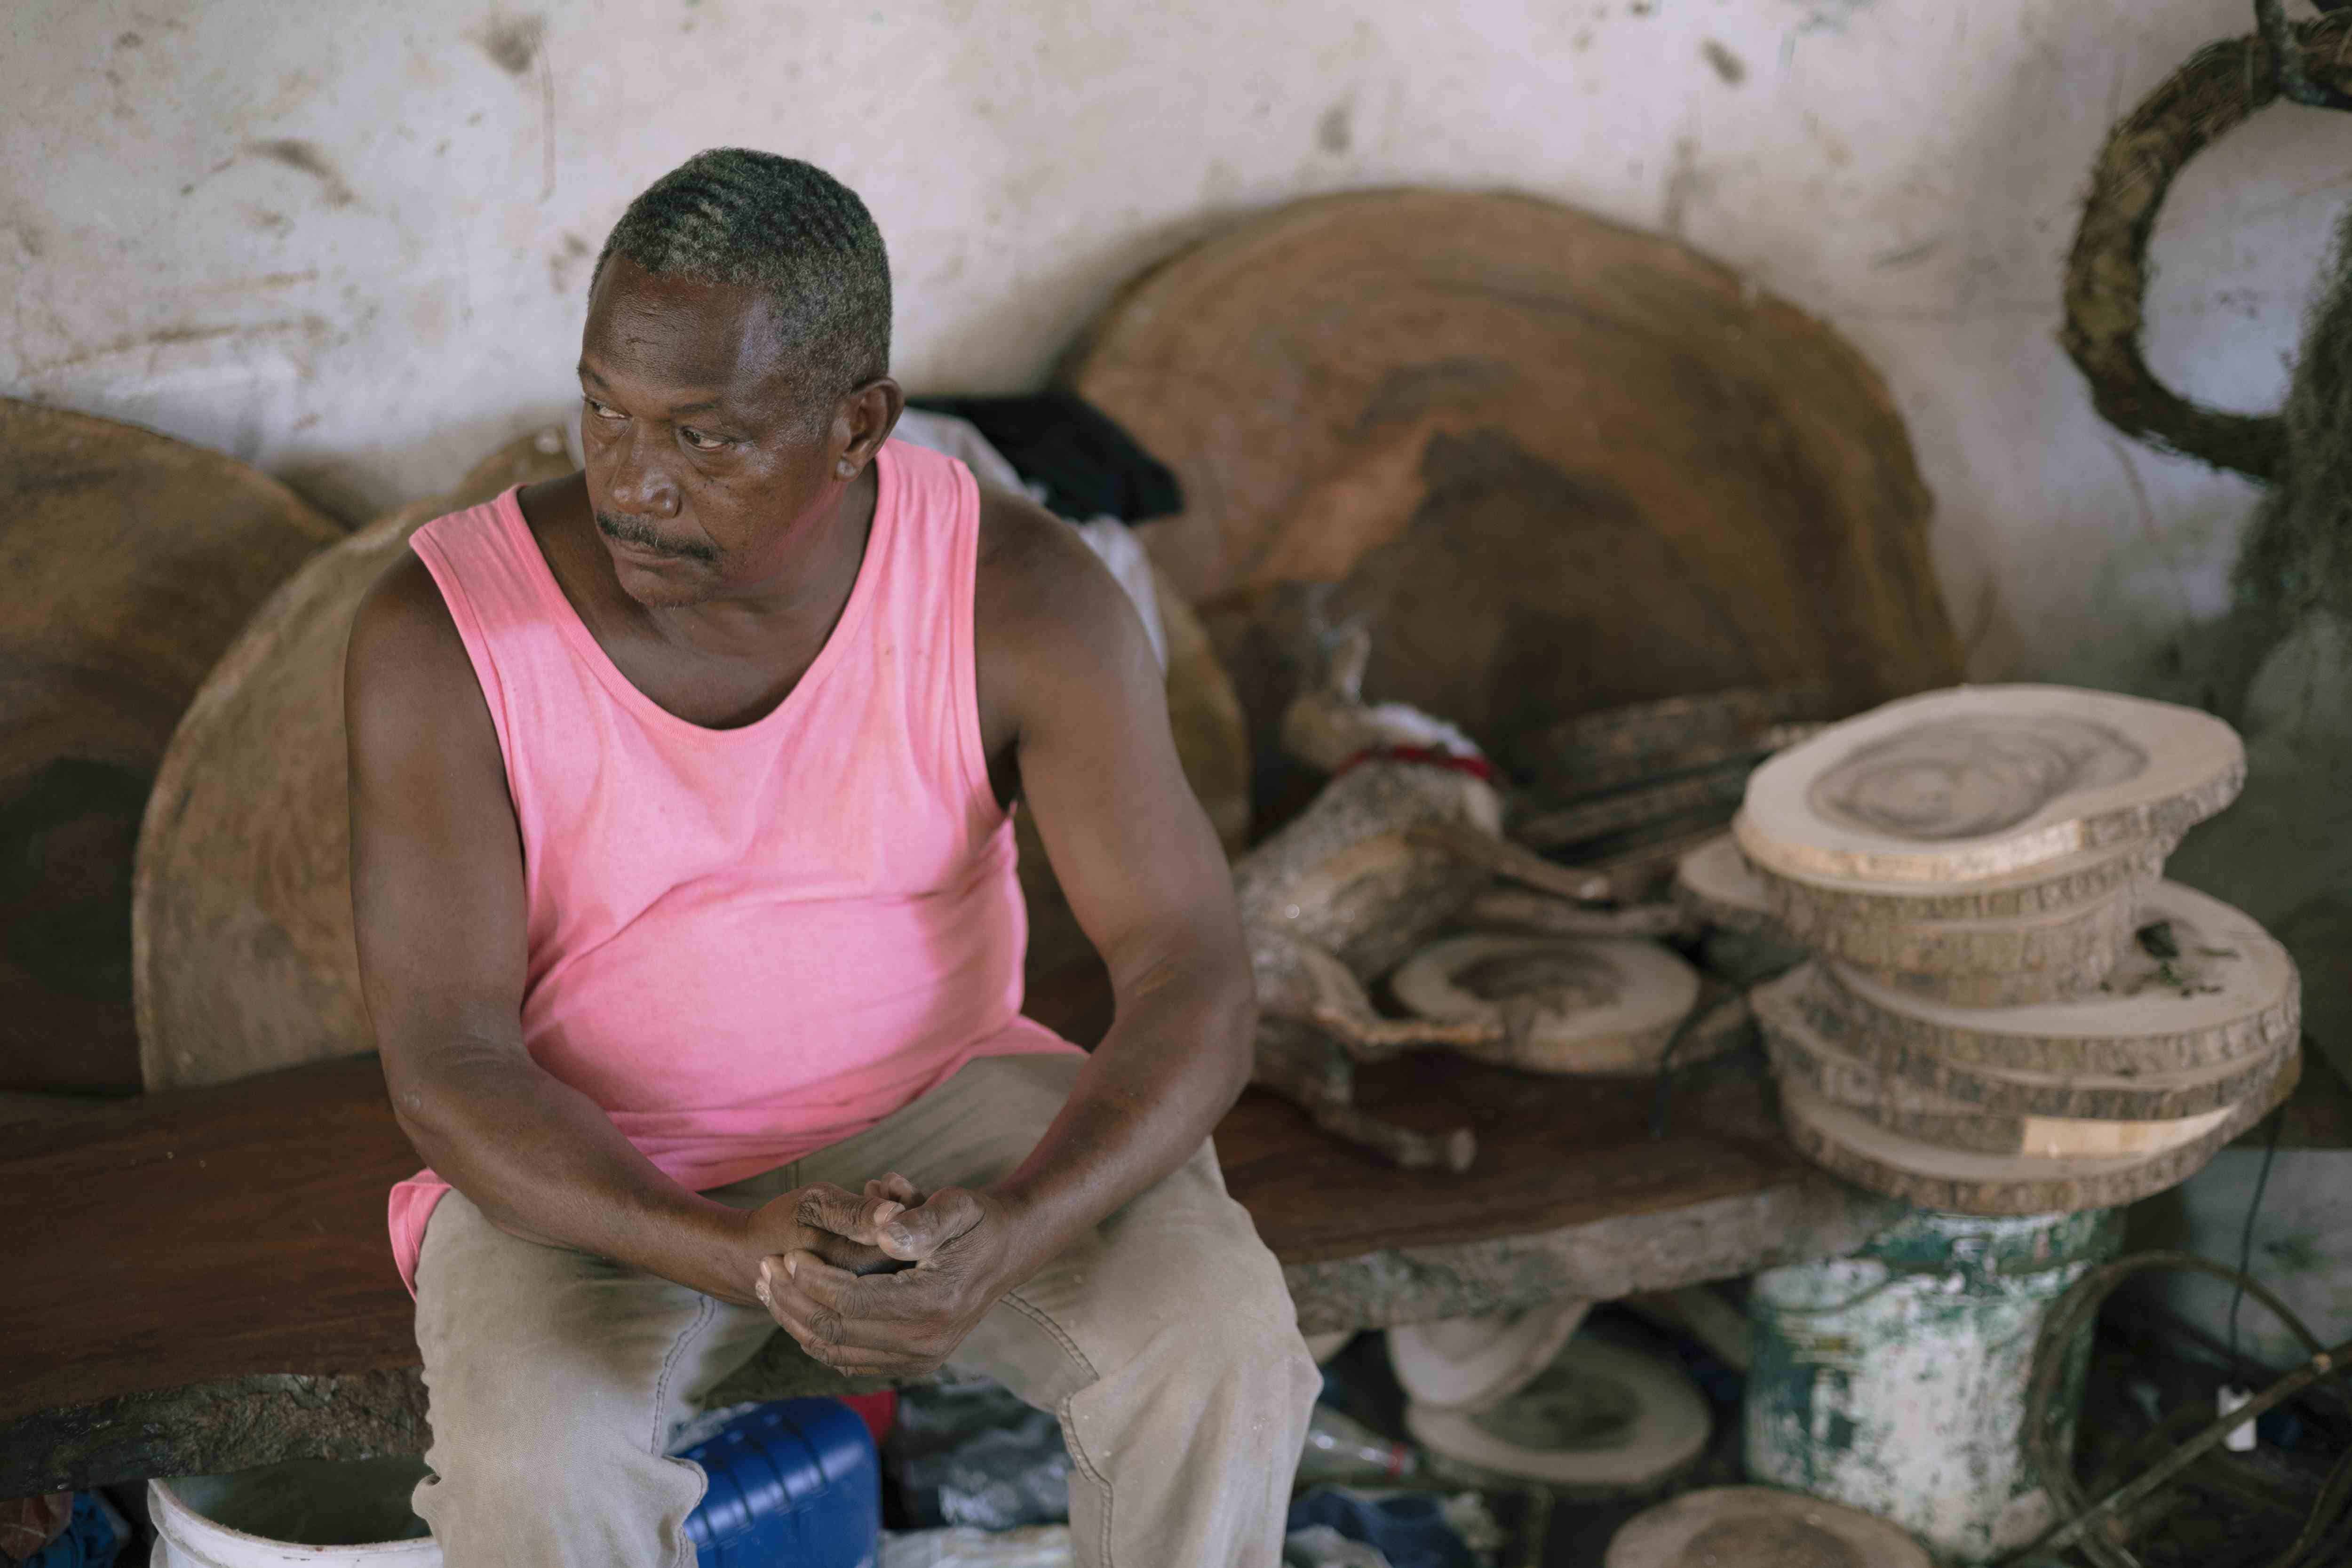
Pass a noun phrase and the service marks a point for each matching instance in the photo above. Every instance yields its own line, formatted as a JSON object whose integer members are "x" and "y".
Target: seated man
{"x": 683, "y": 868}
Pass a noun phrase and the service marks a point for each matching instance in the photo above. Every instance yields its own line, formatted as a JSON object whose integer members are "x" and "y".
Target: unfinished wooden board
{"x": 1619, "y": 810}
{"x": 1556, "y": 463}
{"x": 1800, "y": 1001}
{"x": 1600, "y": 1416}
{"x": 2199, "y": 984}
{"x": 1568, "y": 1005}
{"x": 1760, "y": 1527}
{"x": 1471, "y": 1363}
{"x": 1986, "y": 780}
{"x": 1644, "y": 742}
{"x": 1850, "y": 1145}
{"x": 1718, "y": 885}
{"x": 242, "y": 949}
{"x": 1848, "y": 1079}
{"x": 200, "y": 1280}
{"x": 131, "y": 559}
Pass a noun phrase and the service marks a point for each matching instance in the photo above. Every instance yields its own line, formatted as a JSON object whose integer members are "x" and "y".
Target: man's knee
{"x": 1230, "y": 1321}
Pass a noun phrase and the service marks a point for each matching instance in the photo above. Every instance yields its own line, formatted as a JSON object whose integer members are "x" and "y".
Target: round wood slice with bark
{"x": 132, "y": 560}
{"x": 1566, "y": 1005}
{"x": 244, "y": 959}
{"x": 1718, "y": 885}
{"x": 1849, "y": 1145}
{"x": 1600, "y": 1416}
{"x": 1795, "y": 1006}
{"x": 2201, "y": 984}
{"x": 1847, "y": 1079}
{"x": 1824, "y": 914}
{"x": 1984, "y": 782}
{"x": 1760, "y": 1527}
{"x": 1555, "y": 465}
{"x": 1995, "y": 963}
{"x": 1472, "y": 1364}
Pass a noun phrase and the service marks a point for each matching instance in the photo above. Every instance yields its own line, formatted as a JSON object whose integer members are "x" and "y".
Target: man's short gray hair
{"x": 738, "y": 216}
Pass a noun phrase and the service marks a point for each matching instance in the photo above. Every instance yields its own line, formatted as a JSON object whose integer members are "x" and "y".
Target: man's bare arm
{"x": 437, "y": 901}
{"x": 1066, "y": 666}
{"x": 1141, "y": 866}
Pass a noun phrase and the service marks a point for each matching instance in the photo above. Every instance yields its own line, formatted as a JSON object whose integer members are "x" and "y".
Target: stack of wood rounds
{"x": 2009, "y": 1012}
{"x": 1983, "y": 846}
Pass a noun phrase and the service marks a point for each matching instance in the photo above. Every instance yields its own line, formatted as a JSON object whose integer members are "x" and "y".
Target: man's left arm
{"x": 1066, "y": 666}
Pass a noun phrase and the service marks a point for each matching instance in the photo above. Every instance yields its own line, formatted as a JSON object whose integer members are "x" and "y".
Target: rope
{"x": 2085, "y": 1523}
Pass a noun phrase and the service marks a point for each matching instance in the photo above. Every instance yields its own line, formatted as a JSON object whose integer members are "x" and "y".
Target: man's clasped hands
{"x": 886, "y": 1284}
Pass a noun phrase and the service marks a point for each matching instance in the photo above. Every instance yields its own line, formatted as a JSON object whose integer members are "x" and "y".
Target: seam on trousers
{"x": 1062, "y": 1414}
{"x": 705, "y": 1308}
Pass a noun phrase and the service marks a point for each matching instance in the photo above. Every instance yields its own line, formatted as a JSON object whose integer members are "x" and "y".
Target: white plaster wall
{"x": 349, "y": 242}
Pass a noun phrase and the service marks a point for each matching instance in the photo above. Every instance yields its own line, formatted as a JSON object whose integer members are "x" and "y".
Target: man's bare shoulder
{"x": 405, "y": 661}
{"x": 1040, "y": 590}
{"x": 401, "y": 620}
{"x": 1055, "y": 634}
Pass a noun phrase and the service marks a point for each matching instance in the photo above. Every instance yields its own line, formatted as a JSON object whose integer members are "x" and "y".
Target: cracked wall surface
{"x": 350, "y": 242}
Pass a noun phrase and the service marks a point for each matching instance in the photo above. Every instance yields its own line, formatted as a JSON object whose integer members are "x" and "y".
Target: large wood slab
{"x": 200, "y": 1280}
{"x": 131, "y": 559}
{"x": 1557, "y": 464}
{"x": 243, "y": 957}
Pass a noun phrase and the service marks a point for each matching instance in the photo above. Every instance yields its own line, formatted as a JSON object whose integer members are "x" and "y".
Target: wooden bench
{"x": 199, "y": 1281}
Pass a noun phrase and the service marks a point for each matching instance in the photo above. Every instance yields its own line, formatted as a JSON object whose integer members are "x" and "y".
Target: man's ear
{"x": 863, "y": 421}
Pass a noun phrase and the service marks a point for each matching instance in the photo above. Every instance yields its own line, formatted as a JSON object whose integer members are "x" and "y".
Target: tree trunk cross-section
{"x": 1760, "y": 1527}
{"x": 131, "y": 559}
{"x": 1848, "y": 1079}
{"x": 1718, "y": 885}
{"x": 243, "y": 955}
{"x": 1986, "y": 782}
{"x": 1849, "y": 1145}
{"x": 1792, "y": 1009}
{"x": 1568, "y": 1005}
{"x": 2199, "y": 985}
{"x": 1556, "y": 466}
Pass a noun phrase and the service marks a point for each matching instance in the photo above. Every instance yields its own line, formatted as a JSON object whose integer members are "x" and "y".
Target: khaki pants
{"x": 1164, "y": 1341}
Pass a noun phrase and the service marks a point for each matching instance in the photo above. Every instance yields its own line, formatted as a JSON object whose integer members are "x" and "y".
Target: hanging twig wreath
{"x": 2107, "y": 274}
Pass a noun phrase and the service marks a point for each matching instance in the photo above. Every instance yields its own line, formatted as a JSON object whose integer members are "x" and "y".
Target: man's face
{"x": 705, "y": 455}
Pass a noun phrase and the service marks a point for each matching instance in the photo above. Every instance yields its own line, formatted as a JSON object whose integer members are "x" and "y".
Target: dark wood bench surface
{"x": 217, "y": 1240}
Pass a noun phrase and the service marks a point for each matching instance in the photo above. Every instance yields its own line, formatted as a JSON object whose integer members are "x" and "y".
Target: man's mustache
{"x": 629, "y": 531}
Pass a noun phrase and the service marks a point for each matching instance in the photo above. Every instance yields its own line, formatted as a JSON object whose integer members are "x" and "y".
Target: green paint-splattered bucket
{"x": 1894, "y": 1381}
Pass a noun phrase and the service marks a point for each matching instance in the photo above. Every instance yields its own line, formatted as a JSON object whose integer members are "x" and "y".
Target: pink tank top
{"x": 747, "y": 944}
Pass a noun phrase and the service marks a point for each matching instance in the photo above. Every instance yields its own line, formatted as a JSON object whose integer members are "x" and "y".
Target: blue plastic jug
{"x": 793, "y": 1485}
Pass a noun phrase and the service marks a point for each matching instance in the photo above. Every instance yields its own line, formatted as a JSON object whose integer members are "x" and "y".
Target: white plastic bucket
{"x": 315, "y": 1513}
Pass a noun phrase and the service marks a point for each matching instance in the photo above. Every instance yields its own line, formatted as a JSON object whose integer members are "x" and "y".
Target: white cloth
{"x": 1111, "y": 541}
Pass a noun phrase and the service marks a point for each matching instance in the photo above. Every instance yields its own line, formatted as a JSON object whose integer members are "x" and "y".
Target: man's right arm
{"x": 437, "y": 902}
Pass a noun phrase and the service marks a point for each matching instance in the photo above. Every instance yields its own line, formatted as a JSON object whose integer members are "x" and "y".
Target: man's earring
{"x": 845, "y": 467}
